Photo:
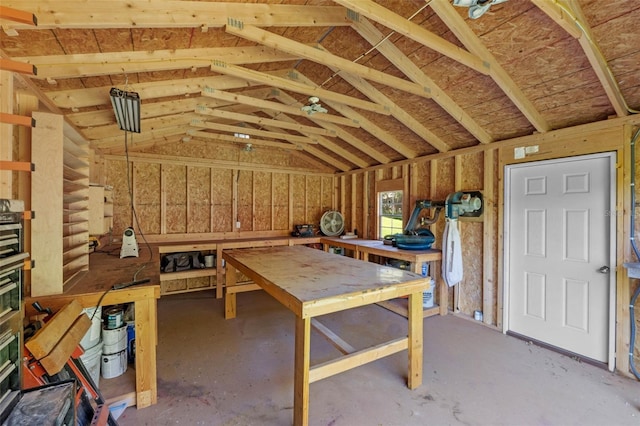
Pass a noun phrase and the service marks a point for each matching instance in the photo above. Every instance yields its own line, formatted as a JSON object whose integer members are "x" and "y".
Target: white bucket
{"x": 114, "y": 365}
{"x": 92, "y": 337}
{"x": 114, "y": 340}
{"x": 91, "y": 361}
{"x": 208, "y": 260}
{"x": 427, "y": 296}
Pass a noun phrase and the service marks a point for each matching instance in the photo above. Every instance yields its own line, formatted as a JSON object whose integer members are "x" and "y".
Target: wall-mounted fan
{"x": 314, "y": 106}
{"x": 332, "y": 223}
{"x": 477, "y": 8}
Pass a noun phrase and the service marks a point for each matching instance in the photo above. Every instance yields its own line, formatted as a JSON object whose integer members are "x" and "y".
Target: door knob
{"x": 604, "y": 270}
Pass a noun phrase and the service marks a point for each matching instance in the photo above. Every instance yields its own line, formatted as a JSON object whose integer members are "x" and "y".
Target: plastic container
{"x": 114, "y": 365}
{"x": 427, "y": 296}
{"x": 92, "y": 337}
{"x": 115, "y": 340}
{"x": 91, "y": 361}
{"x": 131, "y": 341}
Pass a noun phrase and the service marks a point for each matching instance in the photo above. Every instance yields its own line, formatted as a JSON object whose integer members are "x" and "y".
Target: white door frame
{"x": 612, "y": 242}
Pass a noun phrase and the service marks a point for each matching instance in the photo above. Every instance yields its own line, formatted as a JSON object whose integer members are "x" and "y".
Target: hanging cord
{"x": 632, "y": 317}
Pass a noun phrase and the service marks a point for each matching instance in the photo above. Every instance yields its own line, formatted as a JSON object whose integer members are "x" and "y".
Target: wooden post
{"x": 6, "y": 134}
{"x": 415, "y": 321}
{"x": 230, "y": 297}
{"x": 488, "y": 246}
{"x": 301, "y": 373}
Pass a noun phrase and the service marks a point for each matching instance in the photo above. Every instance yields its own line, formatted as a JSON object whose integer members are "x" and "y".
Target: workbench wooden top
{"x": 312, "y": 282}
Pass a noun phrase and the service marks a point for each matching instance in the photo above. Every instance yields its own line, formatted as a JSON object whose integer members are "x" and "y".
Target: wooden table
{"x": 89, "y": 286}
{"x": 312, "y": 282}
{"x": 362, "y": 249}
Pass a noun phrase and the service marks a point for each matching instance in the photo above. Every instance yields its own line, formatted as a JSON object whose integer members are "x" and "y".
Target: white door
{"x": 558, "y": 252}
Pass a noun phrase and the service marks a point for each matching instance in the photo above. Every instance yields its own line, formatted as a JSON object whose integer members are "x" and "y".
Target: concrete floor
{"x": 239, "y": 372}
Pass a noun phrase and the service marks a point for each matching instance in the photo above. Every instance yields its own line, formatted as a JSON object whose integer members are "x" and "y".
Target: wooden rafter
{"x": 570, "y": 17}
{"x": 233, "y": 116}
{"x": 365, "y": 123}
{"x": 415, "y": 32}
{"x": 96, "y": 64}
{"x": 275, "y": 41}
{"x": 55, "y": 14}
{"x": 276, "y": 106}
{"x": 251, "y": 131}
{"x": 456, "y": 24}
{"x": 370, "y": 33}
{"x": 283, "y": 83}
{"x": 345, "y": 136}
{"x": 227, "y": 138}
{"x": 17, "y": 15}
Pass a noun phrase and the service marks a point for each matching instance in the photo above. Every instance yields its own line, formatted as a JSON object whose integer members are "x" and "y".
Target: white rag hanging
{"x": 451, "y": 253}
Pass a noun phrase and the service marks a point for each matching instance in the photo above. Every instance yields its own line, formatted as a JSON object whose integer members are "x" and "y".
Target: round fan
{"x": 332, "y": 223}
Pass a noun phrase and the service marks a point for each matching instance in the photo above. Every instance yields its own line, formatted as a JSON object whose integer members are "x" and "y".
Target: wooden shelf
{"x": 399, "y": 306}
{"x": 191, "y": 273}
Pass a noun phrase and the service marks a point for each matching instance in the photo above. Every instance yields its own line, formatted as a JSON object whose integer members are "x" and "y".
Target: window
{"x": 390, "y": 214}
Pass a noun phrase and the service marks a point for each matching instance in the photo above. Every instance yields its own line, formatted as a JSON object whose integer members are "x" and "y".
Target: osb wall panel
{"x": 262, "y": 189}
{"x": 146, "y": 189}
{"x": 200, "y": 282}
{"x": 245, "y": 200}
{"x": 221, "y": 200}
{"x": 445, "y": 178}
{"x": 298, "y": 194}
{"x": 175, "y": 189}
{"x": 280, "y": 201}
{"x": 472, "y": 177}
{"x": 117, "y": 178}
{"x": 359, "y": 212}
{"x": 471, "y": 286}
{"x": 199, "y": 199}
{"x": 314, "y": 199}
{"x": 346, "y": 210}
{"x": 174, "y": 286}
{"x": 327, "y": 194}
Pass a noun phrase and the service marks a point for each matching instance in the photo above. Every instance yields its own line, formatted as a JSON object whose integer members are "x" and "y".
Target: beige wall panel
{"x": 346, "y": 210}
{"x": 327, "y": 193}
{"x": 222, "y": 195}
{"x": 297, "y": 192}
{"x": 314, "y": 199}
{"x": 280, "y": 201}
{"x": 199, "y": 196}
{"x": 422, "y": 185}
{"x": 174, "y": 286}
{"x": 358, "y": 207}
{"x": 146, "y": 189}
{"x": 472, "y": 171}
{"x": 175, "y": 181}
{"x": 445, "y": 176}
{"x": 262, "y": 217}
{"x": 200, "y": 282}
{"x": 245, "y": 200}
{"x": 471, "y": 286}
{"x": 117, "y": 177}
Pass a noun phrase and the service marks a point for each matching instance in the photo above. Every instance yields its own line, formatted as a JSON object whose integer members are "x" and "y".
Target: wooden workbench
{"x": 310, "y": 283}
{"x": 87, "y": 287}
{"x": 362, "y": 249}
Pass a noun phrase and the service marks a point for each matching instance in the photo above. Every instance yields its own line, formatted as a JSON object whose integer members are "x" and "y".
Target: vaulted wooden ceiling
{"x": 401, "y": 79}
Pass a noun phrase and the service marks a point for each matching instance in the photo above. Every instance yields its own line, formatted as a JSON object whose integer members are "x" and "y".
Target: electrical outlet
{"x": 238, "y": 224}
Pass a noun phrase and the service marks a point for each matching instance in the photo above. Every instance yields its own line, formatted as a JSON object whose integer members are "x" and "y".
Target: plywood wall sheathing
{"x": 263, "y": 196}
{"x": 221, "y": 200}
{"x": 146, "y": 190}
{"x": 245, "y": 199}
{"x": 199, "y": 199}
{"x": 314, "y": 199}
{"x": 175, "y": 188}
{"x": 298, "y": 194}
{"x": 117, "y": 177}
{"x": 280, "y": 201}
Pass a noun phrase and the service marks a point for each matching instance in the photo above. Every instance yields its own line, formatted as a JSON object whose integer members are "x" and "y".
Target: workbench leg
{"x": 230, "y": 298}
{"x": 415, "y": 320}
{"x": 146, "y": 335}
{"x": 443, "y": 290}
{"x": 301, "y": 373}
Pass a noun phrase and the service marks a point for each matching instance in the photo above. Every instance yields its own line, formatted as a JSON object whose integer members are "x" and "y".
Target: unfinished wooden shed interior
{"x": 423, "y": 161}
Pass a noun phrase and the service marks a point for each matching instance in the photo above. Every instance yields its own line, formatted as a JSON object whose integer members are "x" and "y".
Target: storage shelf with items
{"x": 187, "y": 268}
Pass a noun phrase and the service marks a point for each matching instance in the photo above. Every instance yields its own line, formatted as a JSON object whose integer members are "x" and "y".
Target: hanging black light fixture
{"x": 126, "y": 106}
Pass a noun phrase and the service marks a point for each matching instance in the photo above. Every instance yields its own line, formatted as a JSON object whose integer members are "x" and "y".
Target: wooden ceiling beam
{"x": 366, "y": 124}
{"x": 135, "y": 138}
{"x": 286, "y": 84}
{"x": 276, "y": 106}
{"x": 261, "y": 121}
{"x": 54, "y": 14}
{"x": 398, "y": 113}
{"x": 95, "y": 96}
{"x": 461, "y": 30}
{"x": 415, "y": 32}
{"x": 326, "y": 143}
{"x": 570, "y": 17}
{"x": 345, "y": 136}
{"x": 157, "y": 123}
{"x": 251, "y": 131}
{"x": 370, "y": 33}
{"x": 227, "y": 138}
{"x": 96, "y": 64}
{"x": 266, "y": 38}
